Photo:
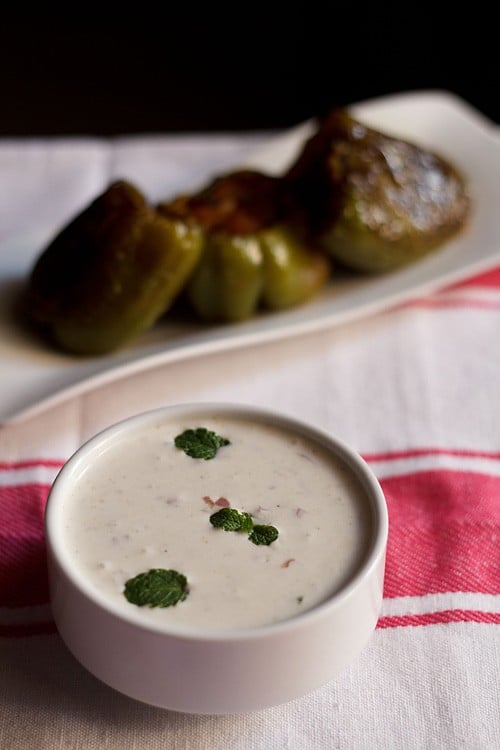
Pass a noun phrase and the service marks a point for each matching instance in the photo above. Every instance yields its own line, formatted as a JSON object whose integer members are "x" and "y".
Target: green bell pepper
{"x": 293, "y": 273}
{"x": 110, "y": 273}
{"x": 375, "y": 202}
{"x": 227, "y": 283}
{"x": 251, "y": 259}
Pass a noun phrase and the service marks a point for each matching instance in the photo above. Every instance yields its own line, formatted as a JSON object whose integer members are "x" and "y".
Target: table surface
{"x": 415, "y": 391}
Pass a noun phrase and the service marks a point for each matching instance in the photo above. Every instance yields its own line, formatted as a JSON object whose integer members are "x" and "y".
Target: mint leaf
{"x": 231, "y": 519}
{"x": 263, "y": 534}
{"x": 156, "y": 588}
{"x": 200, "y": 443}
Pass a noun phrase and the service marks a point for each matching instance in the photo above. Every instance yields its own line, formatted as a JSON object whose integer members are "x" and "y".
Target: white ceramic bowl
{"x": 206, "y": 670}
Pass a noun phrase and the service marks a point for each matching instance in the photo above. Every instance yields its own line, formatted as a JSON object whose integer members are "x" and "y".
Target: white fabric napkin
{"x": 414, "y": 390}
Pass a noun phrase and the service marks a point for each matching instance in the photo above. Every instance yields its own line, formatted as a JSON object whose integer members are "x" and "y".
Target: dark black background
{"x": 239, "y": 67}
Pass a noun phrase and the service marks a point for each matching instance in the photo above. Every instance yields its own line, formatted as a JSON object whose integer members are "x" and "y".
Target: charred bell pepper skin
{"x": 293, "y": 273}
{"x": 375, "y": 202}
{"x": 110, "y": 273}
{"x": 227, "y": 283}
{"x": 237, "y": 203}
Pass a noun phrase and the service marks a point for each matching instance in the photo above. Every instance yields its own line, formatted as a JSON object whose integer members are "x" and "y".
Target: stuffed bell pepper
{"x": 252, "y": 259}
{"x": 374, "y": 202}
{"x": 110, "y": 273}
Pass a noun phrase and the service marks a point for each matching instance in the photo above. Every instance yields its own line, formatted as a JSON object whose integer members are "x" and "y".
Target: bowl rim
{"x": 75, "y": 464}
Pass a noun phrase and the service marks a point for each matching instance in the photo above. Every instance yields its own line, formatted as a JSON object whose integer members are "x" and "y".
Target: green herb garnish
{"x": 200, "y": 443}
{"x": 263, "y": 534}
{"x": 156, "y": 588}
{"x": 231, "y": 519}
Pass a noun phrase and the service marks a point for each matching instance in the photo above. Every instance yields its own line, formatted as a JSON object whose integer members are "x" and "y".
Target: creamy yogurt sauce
{"x": 142, "y": 503}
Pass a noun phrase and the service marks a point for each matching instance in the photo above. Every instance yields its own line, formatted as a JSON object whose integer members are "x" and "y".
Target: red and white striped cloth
{"x": 416, "y": 390}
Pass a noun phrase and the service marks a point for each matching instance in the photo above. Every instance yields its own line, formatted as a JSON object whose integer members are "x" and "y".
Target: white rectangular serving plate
{"x": 34, "y": 378}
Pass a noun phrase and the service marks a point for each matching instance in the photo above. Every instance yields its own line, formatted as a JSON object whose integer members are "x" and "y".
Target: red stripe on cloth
{"x": 430, "y": 451}
{"x": 443, "y": 533}
{"x": 436, "y": 618}
{"x": 490, "y": 278}
{"x": 398, "y": 621}
{"x": 31, "y": 464}
{"x": 23, "y": 574}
